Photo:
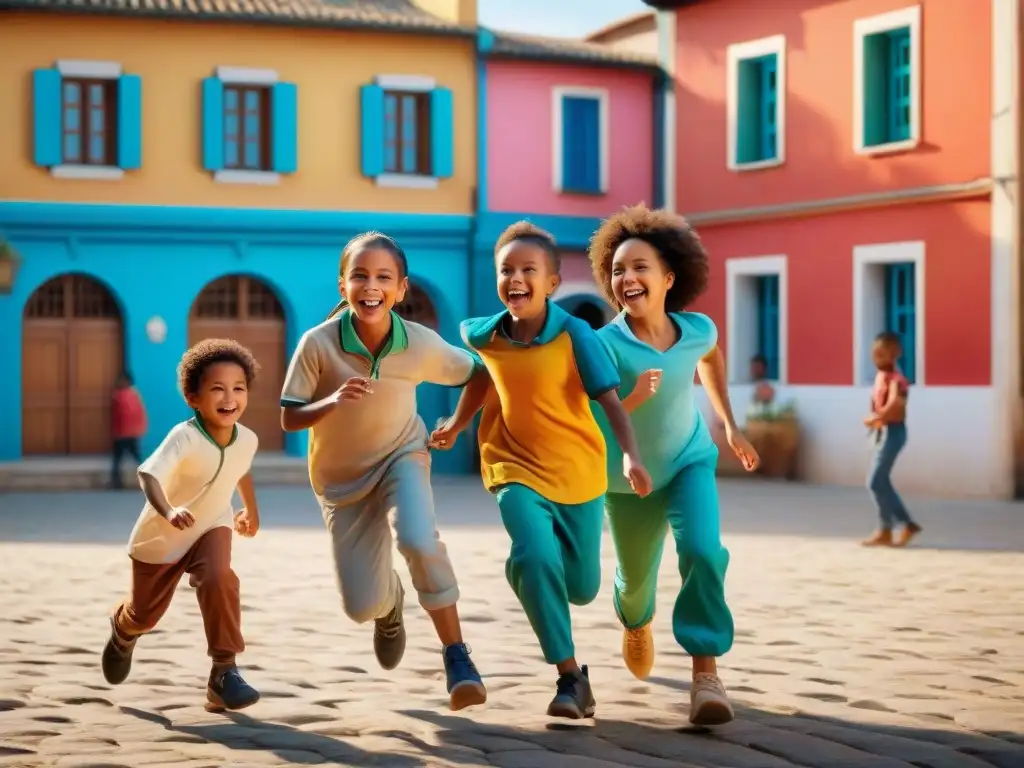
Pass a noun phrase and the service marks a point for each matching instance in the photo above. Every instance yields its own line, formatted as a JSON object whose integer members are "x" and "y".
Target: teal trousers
{"x": 688, "y": 507}
{"x": 555, "y": 560}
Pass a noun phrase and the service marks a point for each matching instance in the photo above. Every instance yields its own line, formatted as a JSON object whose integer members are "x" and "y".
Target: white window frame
{"x": 558, "y": 93}
{"x": 735, "y": 54}
{"x": 909, "y": 17}
{"x": 411, "y": 84}
{"x": 247, "y": 76}
{"x": 741, "y": 314}
{"x": 869, "y": 302}
{"x": 94, "y": 70}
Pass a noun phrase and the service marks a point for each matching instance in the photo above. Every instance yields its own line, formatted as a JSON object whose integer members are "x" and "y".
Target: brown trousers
{"x": 208, "y": 565}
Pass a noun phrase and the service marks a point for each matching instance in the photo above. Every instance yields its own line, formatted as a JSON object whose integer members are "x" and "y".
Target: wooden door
{"x": 72, "y": 354}
{"x": 246, "y": 310}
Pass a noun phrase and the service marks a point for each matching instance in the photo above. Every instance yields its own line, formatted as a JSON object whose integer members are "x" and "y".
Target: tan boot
{"x": 709, "y": 703}
{"x": 638, "y": 650}
{"x": 882, "y": 538}
{"x": 909, "y": 532}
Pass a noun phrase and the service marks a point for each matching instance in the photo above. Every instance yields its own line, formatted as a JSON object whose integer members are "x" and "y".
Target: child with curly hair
{"x": 541, "y": 453}
{"x": 651, "y": 265}
{"x": 186, "y": 524}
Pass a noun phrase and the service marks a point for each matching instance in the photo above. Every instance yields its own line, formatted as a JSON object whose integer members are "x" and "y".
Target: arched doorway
{"x": 72, "y": 353}
{"x": 248, "y": 311}
{"x": 418, "y": 307}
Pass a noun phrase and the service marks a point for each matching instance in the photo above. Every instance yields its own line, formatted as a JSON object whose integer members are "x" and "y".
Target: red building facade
{"x": 851, "y": 168}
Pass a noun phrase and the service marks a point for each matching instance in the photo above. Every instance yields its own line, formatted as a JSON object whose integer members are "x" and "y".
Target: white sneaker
{"x": 709, "y": 703}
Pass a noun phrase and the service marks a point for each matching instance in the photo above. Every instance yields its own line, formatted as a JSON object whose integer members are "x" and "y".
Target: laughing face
{"x": 372, "y": 284}
{"x": 525, "y": 278}
{"x": 222, "y": 395}
{"x": 640, "y": 278}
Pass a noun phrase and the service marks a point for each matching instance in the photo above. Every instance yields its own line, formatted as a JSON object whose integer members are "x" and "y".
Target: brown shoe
{"x": 882, "y": 538}
{"x": 909, "y": 532}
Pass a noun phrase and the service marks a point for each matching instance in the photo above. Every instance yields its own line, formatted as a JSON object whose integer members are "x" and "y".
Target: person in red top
{"x": 888, "y": 422}
{"x": 128, "y": 417}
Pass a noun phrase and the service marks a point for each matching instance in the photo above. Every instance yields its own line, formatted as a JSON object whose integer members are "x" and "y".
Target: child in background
{"x": 352, "y": 384}
{"x": 541, "y": 451}
{"x": 888, "y": 423}
{"x": 186, "y": 525}
{"x": 128, "y": 424}
{"x": 651, "y": 266}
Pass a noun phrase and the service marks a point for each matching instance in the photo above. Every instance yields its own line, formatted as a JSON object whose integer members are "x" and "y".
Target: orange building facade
{"x": 849, "y": 174}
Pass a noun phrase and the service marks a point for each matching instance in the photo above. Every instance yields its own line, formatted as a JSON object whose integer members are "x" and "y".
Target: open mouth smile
{"x": 633, "y": 294}
{"x": 517, "y": 296}
{"x": 370, "y": 303}
{"x": 227, "y": 410}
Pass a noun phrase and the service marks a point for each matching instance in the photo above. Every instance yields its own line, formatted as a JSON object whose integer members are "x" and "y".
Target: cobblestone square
{"x": 844, "y": 657}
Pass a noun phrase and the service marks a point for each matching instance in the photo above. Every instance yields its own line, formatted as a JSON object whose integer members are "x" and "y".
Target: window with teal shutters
{"x": 887, "y": 87}
{"x": 249, "y": 127}
{"x": 581, "y": 144}
{"x": 407, "y": 132}
{"x": 86, "y": 120}
{"x": 757, "y": 110}
{"x": 768, "y": 322}
{"x": 284, "y": 128}
{"x": 901, "y": 312}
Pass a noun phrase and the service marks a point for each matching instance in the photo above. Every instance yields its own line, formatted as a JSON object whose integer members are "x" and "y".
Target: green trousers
{"x": 555, "y": 560}
{"x": 688, "y": 507}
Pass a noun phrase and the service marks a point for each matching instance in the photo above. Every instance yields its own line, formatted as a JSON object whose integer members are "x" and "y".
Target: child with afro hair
{"x": 651, "y": 265}
{"x": 187, "y": 521}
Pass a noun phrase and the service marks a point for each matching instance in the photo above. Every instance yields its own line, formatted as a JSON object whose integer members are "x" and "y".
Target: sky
{"x": 558, "y": 18}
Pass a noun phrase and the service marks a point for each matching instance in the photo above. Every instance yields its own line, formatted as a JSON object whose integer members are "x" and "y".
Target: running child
{"x": 541, "y": 451}
{"x": 651, "y": 266}
{"x": 352, "y": 384}
{"x": 186, "y": 524}
{"x": 887, "y": 422}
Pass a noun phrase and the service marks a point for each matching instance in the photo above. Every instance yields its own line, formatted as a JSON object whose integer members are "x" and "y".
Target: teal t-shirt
{"x": 670, "y": 430}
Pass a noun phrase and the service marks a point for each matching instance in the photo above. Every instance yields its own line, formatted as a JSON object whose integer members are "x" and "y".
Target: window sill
{"x": 756, "y": 165}
{"x": 259, "y": 178}
{"x": 581, "y": 192}
{"x": 94, "y": 172}
{"x": 406, "y": 181}
{"x": 891, "y": 148}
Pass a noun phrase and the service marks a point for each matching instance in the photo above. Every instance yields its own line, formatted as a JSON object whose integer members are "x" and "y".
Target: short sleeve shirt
{"x": 347, "y": 444}
{"x": 883, "y": 381}
{"x": 670, "y": 431}
{"x": 198, "y": 474}
{"x": 537, "y": 428}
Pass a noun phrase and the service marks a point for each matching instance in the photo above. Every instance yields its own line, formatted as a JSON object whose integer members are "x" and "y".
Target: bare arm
{"x": 295, "y": 418}
{"x": 471, "y": 400}
{"x": 248, "y": 494}
{"x": 711, "y": 369}
{"x": 154, "y": 494}
{"x": 895, "y": 405}
{"x": 618, "y": 420}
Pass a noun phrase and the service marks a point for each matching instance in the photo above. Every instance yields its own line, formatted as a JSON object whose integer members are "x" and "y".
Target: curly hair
{"x": 207, "y": 352}
{"x": 524, "y": 231}
{"x": 670, "y": 235}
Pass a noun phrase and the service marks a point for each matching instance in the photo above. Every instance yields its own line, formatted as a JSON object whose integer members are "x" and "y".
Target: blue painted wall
{"x": 156, "y": 260}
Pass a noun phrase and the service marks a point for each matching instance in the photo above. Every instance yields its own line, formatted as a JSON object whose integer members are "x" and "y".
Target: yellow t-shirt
{"x": 537, "y": 427}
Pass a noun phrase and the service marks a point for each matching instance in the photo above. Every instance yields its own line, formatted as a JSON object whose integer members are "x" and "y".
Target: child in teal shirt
{"x": 651, "y": 265}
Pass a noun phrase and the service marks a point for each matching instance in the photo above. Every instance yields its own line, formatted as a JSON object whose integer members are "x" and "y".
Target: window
{"x": 250, "y": 126}
{"x": 247, "y": 127}
{"x": 768, "y": 322}
{"x": 888, "y": 288}
{"x": 408, "y": 131}
{"x": 581, "y": 140}
{"x": 756, "y": 315}
{"x": 756, "y": 103}
{"x": 901, "y": 312}
{"x": 87, "y": 120}
{"x": 886, "y": 81}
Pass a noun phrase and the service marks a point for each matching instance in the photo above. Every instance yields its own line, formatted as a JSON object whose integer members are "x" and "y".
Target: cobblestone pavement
{"x": 843, "y": 656}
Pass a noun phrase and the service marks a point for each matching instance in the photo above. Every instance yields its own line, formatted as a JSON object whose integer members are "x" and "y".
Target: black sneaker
{"x": 227, "y": 690}
{"x": 574, "y": 699}
{"x": 389, "y": 634}
{"x": 465, "y": 688}
{"x": 117, "y": 656}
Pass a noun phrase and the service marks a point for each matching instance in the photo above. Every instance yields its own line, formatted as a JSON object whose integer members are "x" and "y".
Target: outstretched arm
{"x": 471, "y": 400}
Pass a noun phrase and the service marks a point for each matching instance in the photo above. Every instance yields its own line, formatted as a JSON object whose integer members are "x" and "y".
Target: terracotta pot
{"x": 776, "y": 442}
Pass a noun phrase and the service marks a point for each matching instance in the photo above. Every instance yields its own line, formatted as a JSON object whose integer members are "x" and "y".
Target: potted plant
{"x": 9, "y": 263}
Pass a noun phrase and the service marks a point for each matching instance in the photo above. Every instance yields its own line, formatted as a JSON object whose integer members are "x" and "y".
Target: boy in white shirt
{"x": 186, "y": 524}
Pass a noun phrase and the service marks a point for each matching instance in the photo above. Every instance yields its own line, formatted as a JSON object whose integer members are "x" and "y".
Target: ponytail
{"x": 337, "y": 309}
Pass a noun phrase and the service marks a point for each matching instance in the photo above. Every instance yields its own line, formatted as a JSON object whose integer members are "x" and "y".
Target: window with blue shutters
{"x": 757, "y": 108}
{"x": 768, "y": 322}
{"x": 87, "y": 120}
{"x": 581, "y": 143}
{"x": 250, "y": 127}
{"x": 887, "y": 87}
{"x": 901, "y": 312}
{"x": 407, "y": 132}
